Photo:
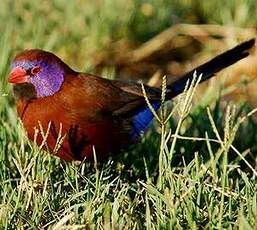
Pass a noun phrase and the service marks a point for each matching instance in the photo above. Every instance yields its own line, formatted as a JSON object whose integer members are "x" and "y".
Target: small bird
{"x": 91, "y": 112}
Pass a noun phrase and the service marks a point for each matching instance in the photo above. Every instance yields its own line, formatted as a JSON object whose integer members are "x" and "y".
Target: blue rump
{"x": 142, "y": 119}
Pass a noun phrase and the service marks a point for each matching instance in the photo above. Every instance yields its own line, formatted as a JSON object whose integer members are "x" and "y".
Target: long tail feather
{"x": 213, "y": 66}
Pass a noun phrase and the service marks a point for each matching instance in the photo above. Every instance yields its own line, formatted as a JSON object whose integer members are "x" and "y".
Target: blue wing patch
{"x": 143, "y": 119}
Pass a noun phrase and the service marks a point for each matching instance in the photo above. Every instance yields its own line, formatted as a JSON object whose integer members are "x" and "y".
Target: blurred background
{"x": 135, "y": 39}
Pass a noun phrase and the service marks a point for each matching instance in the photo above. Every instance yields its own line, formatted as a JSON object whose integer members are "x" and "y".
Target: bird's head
{"x": 40, "y": 70}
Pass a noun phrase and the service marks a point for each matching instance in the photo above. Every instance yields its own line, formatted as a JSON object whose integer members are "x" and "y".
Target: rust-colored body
{"x": 86, "y": 114}
{"x": 92, "y": 112}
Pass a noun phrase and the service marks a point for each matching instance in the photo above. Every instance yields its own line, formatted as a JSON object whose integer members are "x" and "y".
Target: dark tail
{"x": 213, "y": 66}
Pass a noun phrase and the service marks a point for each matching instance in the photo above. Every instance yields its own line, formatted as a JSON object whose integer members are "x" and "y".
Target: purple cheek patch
{"x": 48, "y": 81}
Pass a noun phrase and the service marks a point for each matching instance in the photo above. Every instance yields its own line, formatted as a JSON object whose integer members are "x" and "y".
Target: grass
{"x": 195, "y": 170}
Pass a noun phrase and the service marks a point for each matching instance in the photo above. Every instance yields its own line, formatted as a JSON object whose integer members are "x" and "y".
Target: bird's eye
{"x": 35, "y": 70}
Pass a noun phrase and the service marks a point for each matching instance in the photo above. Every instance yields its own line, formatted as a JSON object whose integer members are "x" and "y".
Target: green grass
{"x": 197, "y": 170}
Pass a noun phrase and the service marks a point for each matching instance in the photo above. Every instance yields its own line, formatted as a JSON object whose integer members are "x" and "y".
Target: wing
{"x": 101, "y": 96}
{"x": 141, "y": 115}
{"x": 92, "y": 99}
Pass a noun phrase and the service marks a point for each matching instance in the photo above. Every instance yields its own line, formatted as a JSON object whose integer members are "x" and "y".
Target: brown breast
{"x": 50, "y": 116}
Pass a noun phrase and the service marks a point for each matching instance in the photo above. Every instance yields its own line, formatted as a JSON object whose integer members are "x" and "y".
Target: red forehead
{"x": 41, "y": 56}
{"x": 34, "y": 54}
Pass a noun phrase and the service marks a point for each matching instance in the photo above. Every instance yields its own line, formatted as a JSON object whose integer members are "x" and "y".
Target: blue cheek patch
{"x": 142, "y": 120}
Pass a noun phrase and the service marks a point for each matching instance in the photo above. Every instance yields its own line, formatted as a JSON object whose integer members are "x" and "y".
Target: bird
{"x": 92, "y": 114}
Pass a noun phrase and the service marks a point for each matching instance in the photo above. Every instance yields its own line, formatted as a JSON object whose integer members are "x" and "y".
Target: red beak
{"x": 18, "y": 75}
